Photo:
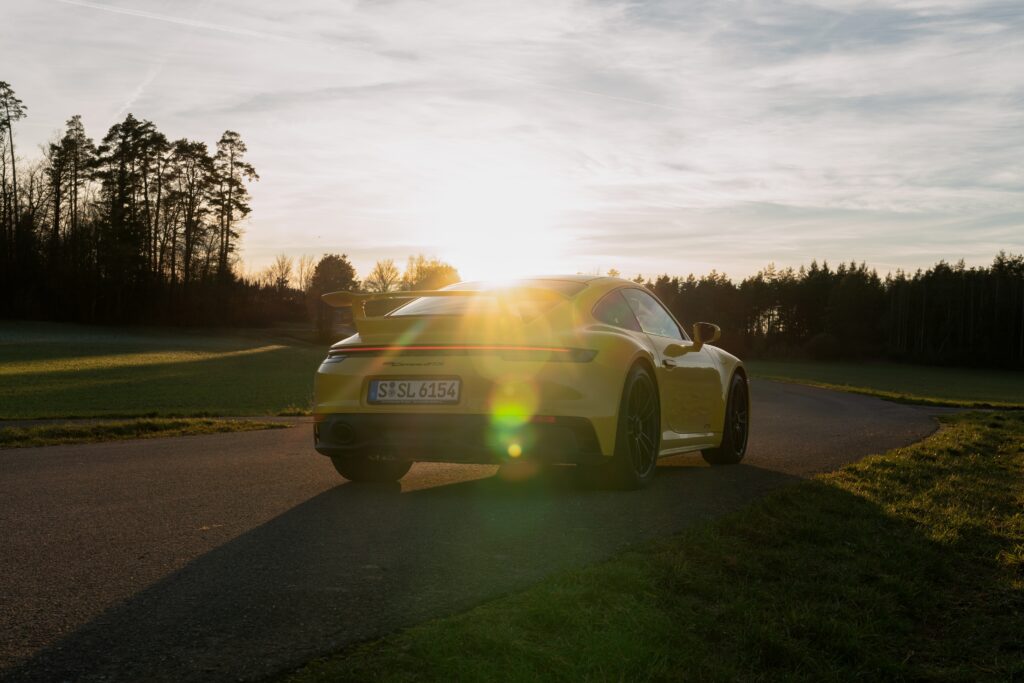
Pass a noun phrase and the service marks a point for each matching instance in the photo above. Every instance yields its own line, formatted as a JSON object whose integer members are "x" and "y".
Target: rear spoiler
{"x": 357, "y": 300}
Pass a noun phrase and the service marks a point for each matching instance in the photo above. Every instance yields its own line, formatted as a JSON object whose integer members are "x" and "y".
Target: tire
{"x": 638, "y": 437}
{"x": 736, "y": 429}
{"x": 366, "y": 469}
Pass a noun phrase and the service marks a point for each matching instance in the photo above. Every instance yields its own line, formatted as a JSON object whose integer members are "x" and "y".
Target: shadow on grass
{"x": 815, "y": 583}
{"x": 356, "y": 562}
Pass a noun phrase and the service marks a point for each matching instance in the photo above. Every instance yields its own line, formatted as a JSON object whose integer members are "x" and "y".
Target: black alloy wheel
{"x": 638, "y": 440}
{"x": 736, "y": 430}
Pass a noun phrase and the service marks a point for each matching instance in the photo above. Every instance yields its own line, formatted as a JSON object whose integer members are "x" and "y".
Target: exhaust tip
{"x": 343, "y": 433}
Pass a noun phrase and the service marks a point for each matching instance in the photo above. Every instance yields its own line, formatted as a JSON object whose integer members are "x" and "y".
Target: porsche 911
{"x": 576, "y": 370}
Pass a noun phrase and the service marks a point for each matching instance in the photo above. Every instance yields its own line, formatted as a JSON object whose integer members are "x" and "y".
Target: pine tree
{"x": 11, "y": 109}
{"x": 230, "y": 196}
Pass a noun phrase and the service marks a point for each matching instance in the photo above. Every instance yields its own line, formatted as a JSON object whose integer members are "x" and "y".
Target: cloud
{"x": 657, "y": 135}
{"x": 181, "y": 21}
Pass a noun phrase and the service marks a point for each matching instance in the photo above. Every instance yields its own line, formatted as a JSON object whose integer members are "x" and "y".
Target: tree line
{"x": 333, "y": 272}
{"x": 135, "y": 227}
{"x": 947, "y": 314}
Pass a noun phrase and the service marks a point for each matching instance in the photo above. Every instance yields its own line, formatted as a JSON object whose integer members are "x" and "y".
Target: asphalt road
{"x": 238, "y": 556}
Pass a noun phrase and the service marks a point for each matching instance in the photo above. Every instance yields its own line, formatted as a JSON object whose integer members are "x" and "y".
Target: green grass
{"x": 939, "y": 386}
{"x": 60, "y": 371}
{"x": 146, "y": 428}
{"x": 52, "y": 370}
{"x": 904, "y": 566}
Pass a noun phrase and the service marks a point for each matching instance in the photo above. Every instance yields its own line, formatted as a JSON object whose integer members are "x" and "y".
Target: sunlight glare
{"x": 497, "y": 218}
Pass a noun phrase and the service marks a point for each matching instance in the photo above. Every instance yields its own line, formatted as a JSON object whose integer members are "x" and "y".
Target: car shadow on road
{"x": 355, "y": 562}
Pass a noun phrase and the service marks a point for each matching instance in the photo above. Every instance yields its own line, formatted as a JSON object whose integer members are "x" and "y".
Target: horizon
{"x": 573, "y": 137}
{"x": 650, "y": 278}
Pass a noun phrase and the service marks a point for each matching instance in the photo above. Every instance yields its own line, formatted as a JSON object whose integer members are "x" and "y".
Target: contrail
{"x": 154, "y": 71}
{"x": 173, "y": 20}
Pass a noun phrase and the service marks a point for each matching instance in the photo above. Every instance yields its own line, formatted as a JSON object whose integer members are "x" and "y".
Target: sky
{"x": 519, "y": 137}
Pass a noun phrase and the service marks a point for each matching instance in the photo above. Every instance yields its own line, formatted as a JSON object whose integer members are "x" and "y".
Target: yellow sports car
{"x": 592, "y": 371}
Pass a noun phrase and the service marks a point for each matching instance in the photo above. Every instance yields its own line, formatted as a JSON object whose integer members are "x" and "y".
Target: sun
{"x": 497, "y": 220}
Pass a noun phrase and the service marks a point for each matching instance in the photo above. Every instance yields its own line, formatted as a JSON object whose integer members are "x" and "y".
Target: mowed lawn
{"x": 57, "y": 370}
{"x": 910, "y": 383}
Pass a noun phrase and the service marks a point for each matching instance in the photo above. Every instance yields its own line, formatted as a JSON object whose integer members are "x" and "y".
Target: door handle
{"x": 668, "y": 363}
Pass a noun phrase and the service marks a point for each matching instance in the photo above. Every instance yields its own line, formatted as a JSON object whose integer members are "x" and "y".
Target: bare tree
{"x": 280, "y": 271}
{"x": 428, "y": 273}
{"x": 304, "y": 272}
{"x": 384, "y": 277}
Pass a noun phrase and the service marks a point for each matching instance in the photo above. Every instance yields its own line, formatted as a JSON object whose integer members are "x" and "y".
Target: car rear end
{"x": 471, "y": 374}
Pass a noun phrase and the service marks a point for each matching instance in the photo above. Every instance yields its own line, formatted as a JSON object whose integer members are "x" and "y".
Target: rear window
{"x": 613, "y": 309}
{"x": 435, "y": 306}
{"x": 527, "y": 304}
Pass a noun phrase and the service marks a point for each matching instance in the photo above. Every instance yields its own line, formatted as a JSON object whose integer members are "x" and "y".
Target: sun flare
{"x": 497, "y": 221}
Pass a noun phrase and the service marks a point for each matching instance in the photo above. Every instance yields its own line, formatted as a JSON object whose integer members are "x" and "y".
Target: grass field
{"x": 964, "y": 387}
{"x": 142, "y": 428}
{"x": 52, "y": 370}
{"x": 904, "y": 566}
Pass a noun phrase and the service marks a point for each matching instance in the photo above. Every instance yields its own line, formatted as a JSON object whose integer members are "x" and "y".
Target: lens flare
{"x": 412, "y": 334}
{"x": 513, "y": 404}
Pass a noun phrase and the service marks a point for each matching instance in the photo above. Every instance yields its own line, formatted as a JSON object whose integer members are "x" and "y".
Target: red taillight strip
{"x": 507, "y": 351}
{"x": 452, "y": 347}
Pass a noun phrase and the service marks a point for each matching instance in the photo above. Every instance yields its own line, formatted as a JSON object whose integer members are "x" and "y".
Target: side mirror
{"x": 674, "y": 350}
{"x": 705, "y": 333}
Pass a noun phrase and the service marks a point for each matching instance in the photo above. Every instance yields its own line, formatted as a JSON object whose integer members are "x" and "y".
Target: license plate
{"x": 414, "y": 391}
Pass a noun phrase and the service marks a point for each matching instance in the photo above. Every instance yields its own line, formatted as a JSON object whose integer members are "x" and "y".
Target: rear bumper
{"x": 456, "y": 438}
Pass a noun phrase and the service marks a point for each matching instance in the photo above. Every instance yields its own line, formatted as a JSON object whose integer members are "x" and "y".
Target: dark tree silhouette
{"x": 332, "y": 273}
{"x": 948, "y": 314}
{"x": 192, "y": 173}
{"x": 230, "y": 196}
{"x": 136, "y": 229}
{"x": 11, "y": 109}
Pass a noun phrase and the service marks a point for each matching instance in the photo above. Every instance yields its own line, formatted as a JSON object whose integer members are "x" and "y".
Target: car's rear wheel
{"x": 736, "y": 429}
{"x": 638, "y": 437}
{"x": 370, "y": 469}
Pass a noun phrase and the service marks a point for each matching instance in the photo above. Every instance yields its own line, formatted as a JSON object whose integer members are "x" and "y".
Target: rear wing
{"x": 358, "y": 300}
